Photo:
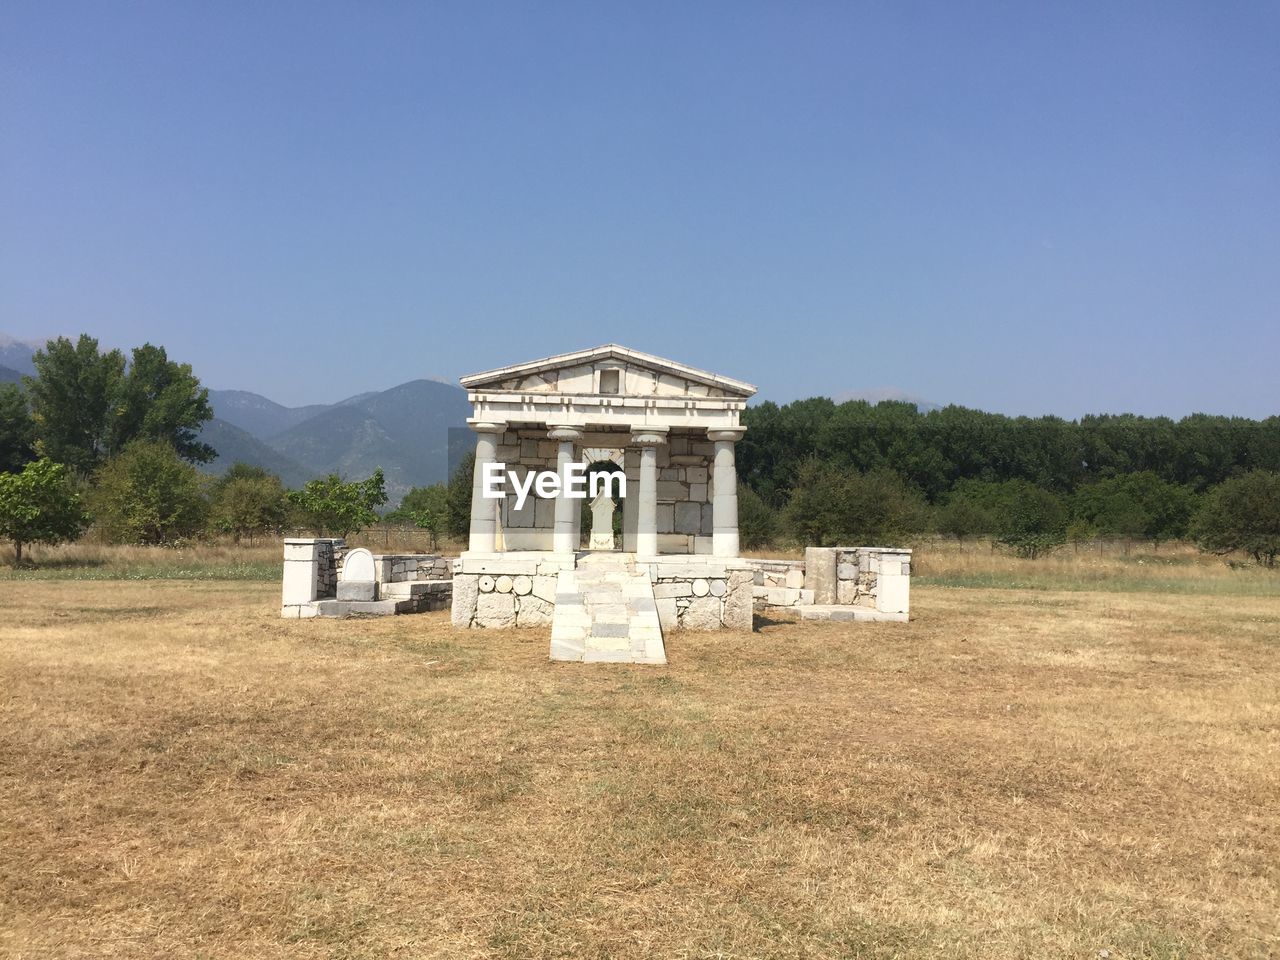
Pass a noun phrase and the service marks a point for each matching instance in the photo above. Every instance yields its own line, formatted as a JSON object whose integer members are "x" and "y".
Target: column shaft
{"x": 724, "y": 503}
{"x": 647, "y": 496}
{"x": 565, "y": 537}
{"x": 484, "y": 511}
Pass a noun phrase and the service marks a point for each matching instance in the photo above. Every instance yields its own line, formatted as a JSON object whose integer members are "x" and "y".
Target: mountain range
{"x": 404, "y": 430}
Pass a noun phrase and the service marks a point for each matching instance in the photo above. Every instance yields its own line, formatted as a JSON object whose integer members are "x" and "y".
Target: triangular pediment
{"x": 606, "y": 370}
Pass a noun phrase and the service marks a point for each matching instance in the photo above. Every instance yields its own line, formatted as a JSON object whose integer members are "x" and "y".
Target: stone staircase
{"x": 605, "y": 612}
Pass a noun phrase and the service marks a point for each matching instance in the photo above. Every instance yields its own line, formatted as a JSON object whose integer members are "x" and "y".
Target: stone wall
{"x": 506, "y": 591}
{"x": 692, "y": 593}
{"x": 779, "y": 583}
{"x": 406, "y": 583}
{"x": 310, "y": 573}
{"x": 409, "y": 567}
{"x": 874, "y": 578}
{"x": 684, "y": 494}
{"x": 697, "y": 593}
{"x": 684, "y": 491}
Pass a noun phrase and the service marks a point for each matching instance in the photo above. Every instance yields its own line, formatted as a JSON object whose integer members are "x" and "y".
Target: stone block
{"x": 677, "y": 588}
{"x": 666, "y": 517}
{"x": 820, "y": 573}
{"x": 794, "y": 579}
{"x": 511, "y": 565}
{"x": 300, "y": 582}
{"x": 893, "y": 594}
{"x": 495, "y": 610}
{"x": 544, "y": 588}
{"x": 667, "y": 614}
{"x": 738, "y": 602}
{"x": 702, "y": 614}
{"x": 847, "y": 591}
{"x": 544, "y": 512}
{"x": 359, "y": 565}
{"x": 672, "y": 490}
{"x": 357, "y": 590}
{"x": 533, "y": 612}
{"x": 696, "y": 474}
{"x": 466, "y": 591}
{"x": 698, "y": 492}
{"x": 303, "y": 550}
{"x": 688, "y": 517}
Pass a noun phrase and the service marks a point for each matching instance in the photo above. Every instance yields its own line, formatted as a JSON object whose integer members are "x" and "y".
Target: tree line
{"x": 99, "y": 437}
{"x": 819, "y": 472}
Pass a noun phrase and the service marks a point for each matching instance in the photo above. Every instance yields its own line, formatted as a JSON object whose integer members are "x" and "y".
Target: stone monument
{"x": 602, "y": 523}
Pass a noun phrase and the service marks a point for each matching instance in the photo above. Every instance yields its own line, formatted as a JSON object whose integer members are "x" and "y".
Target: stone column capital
{"x": 731, "y": 434}
{"x": 648, "y": 436}
{"x": 486, "y": 426}
{"x": 564, "y": 433}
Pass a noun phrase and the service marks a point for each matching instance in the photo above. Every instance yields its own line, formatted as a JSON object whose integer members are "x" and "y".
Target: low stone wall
{"x": 875, "y": 578}
{"x": 410, "y": 567}
{"x": 779, "y": 583}
{"x": 519, "y": 590}
{"x": 702, "y": 593}
{"x": 506, "y": 591}
{"x": 406, "y": 583}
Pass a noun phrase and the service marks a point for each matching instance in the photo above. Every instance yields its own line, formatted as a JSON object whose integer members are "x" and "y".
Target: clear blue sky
{"x": 1010, "y": 206}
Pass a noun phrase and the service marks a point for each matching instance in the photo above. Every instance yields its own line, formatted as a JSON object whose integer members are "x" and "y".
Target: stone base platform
{"x": 837, "y": 611}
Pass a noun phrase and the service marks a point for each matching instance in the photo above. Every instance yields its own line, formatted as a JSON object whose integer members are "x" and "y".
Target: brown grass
{"x": 1044, "y": 774}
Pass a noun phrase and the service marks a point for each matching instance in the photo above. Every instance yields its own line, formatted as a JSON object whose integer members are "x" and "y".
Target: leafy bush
{"x": 1243, "y": 513}
{"x": 335, "y": 506}
{"x": 39, "y": 505}
{"x": 248, "y": 501}
{"x": 829, "y": 505}
{"x": 148, "y": 494}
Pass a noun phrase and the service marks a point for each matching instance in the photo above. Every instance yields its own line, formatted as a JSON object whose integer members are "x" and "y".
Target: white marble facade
{"x": 671, "y": 427}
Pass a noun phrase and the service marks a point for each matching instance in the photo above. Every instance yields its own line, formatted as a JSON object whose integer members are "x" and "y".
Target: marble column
{"x": 484, "y": 511}
{"x": 648, "y": 440}
{"x": 565, "y": 537}
{"x": 724, "y": 502}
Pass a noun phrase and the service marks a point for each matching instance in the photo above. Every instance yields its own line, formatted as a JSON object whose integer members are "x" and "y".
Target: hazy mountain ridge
{"x": 404, "y": 430}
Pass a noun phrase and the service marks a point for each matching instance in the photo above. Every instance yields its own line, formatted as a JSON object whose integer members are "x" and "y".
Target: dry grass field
{"x": 1016, "y": 773}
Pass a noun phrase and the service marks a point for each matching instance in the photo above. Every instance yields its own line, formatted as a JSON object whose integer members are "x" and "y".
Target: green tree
{"x": 39, "y": 505}
{"x": 148, "y": 494}
{"x": 1243, "y": 513}
{"x": 757, "y": 521}
{"x": 88, "y": 406}
{"x": 17, "y": 429}
{"x": 73, "y": 396}
{"x": 335, "y": 506}
{"x": 458, "y": 496}
{"x": 426, "y": 508}
{"x": 247, "y": 501}
{"x": 161, "y": 400}
{"x": 962, "y": 517}
{"x": 1033, "y": 520}
{"x": 832, "y": 505}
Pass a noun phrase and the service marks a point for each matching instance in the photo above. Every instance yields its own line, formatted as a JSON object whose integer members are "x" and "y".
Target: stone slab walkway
{"x": 605, "y": 613}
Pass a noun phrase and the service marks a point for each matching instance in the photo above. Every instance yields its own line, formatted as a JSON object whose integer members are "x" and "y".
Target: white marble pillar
{"x": 724, "y": 502}
{"x": 565, "y": 537}
{"x": 648, "y": 440}
{"x": 484, "y": 511}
